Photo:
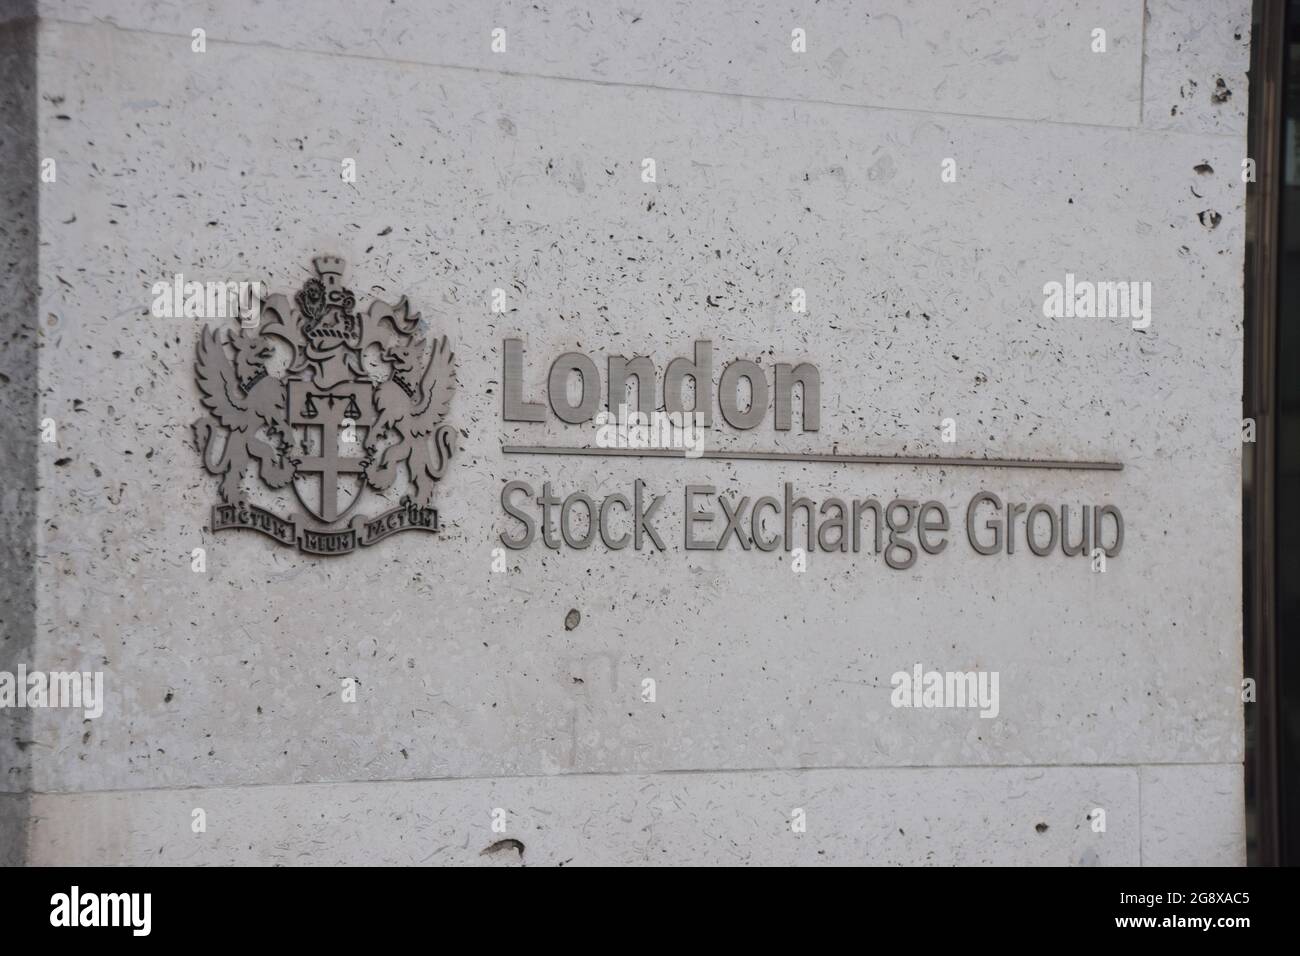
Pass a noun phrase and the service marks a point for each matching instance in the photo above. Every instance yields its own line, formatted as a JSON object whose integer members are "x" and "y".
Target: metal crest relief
{"x": 360, "y": 400}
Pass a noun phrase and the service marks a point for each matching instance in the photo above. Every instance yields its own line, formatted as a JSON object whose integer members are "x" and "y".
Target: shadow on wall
{"x": 20, "y": 425}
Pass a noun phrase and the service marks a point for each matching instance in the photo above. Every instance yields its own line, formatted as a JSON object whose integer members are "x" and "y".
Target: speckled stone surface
{"x": 1195, "y": 66}
{"x": 925, "y": 298}
{"x": 963, "y": 816}
{"x": 1029, "y": 59}
{"x": 1191, "y": 816}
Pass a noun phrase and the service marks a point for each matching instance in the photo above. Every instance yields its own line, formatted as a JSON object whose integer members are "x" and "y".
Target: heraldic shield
{"x": 361, "y": 403}
{"x": 329, "y": 427}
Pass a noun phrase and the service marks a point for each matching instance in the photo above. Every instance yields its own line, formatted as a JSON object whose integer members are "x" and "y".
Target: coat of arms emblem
{"x": 317, "y": 397}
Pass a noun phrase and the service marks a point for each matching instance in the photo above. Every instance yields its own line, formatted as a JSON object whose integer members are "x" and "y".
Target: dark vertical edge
{"x": 19, "y": 403}
{"x": 1259, "y": 402}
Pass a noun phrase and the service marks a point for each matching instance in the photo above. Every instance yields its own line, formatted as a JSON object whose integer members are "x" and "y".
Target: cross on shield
{"x": 330, "y": 474}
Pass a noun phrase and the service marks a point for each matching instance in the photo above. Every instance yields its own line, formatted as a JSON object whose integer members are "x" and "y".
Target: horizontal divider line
{"x": 821, "y": 457}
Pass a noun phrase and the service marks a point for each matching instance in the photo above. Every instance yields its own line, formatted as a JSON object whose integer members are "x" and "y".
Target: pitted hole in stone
{"x": 503, "y": 846}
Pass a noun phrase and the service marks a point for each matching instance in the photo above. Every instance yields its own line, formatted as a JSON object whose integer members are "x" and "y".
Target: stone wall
{"x": 522, "y": 171}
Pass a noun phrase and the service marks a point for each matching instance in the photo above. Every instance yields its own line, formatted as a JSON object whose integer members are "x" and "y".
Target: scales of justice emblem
{"x": 361, "y": 402}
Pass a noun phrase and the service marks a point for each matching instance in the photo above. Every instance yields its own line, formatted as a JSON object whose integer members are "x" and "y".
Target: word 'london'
{"x": 900, "y": 530}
